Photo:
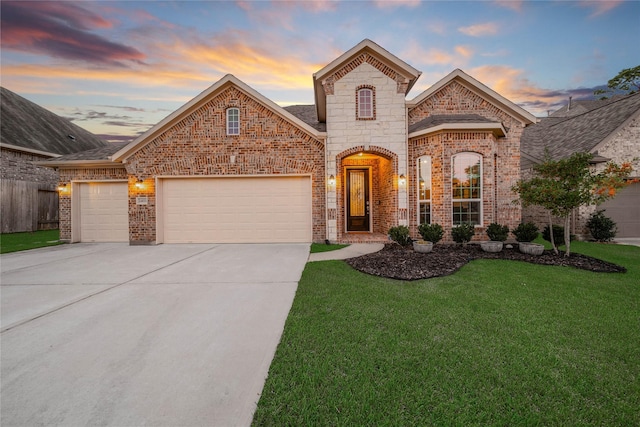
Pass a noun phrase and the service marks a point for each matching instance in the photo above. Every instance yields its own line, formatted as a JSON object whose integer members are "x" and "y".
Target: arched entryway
{"x": 366, "y": 194}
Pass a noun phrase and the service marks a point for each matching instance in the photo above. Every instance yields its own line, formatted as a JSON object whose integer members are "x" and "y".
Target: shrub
{"x": 400, "y": 234}
{"x": 431, "y": 232}
{"x": 558, "y": 235}
{"x": 526, "y": 232}
{"x": 601, "y": 227}
{"x": 497, "y": 232}
{"x": 462, "y": 233}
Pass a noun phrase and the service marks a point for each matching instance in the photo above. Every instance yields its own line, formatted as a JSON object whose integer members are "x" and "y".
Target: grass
{"x": 497, "y": 343}
{"x": 321, "y": 247}
{"x": 15, "y": 242}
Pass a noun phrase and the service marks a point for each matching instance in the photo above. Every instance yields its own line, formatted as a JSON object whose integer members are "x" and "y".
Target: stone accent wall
{"x": 85, "y": 174}
{"x": 199, "y": 146}
{"x": 501, "y": 159}
{"x": 18, "y": 166}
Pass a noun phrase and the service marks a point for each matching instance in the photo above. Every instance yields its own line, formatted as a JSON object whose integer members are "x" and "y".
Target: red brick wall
{"x": 199, "y": 146}
{"x": 501, "y": 159}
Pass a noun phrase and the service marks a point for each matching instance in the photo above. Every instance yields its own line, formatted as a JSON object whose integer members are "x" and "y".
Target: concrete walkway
{"x": 119, "y": 335}
{"x": 351, "y": 251}
{"x": 628, "y": 241}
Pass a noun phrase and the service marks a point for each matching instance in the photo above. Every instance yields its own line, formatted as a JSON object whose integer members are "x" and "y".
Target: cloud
{"x": 480, "y": 30}
{"x": 392, "y": 4}
{"x": 62, "y": 30}
{"x": 515, "y": 5}
{"x": 600, "y": 7}
{"x": 434, "y": 56}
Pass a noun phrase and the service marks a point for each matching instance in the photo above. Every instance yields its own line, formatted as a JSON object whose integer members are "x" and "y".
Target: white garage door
{"x": 104, "y": 212}
{"x": 237, "y": 210}
{"x": 624, "y": 209}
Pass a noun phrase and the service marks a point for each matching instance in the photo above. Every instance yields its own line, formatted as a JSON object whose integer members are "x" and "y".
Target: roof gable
{"x": 193, "y": 105}
{"x": 29, "y": 126}
{"x": 479, "y": 89}
{"x": 364, "y": 52}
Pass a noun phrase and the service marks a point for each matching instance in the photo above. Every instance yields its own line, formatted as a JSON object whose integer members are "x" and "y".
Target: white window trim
{"x": 480, "y": 200}
{"x": 228, "y": 121}
{"x": 370, "y": 103}
{"x": 419, "y": 200}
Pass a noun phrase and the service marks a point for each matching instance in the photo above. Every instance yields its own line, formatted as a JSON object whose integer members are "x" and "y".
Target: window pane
{"x": 466, "y": 212}
{"x": 425, "y": 213}
{"x": 365, "y": 103}
{"x": 424, "y": 178}
{"x": 233, "y": 121}
{"x": 466, "y": 176}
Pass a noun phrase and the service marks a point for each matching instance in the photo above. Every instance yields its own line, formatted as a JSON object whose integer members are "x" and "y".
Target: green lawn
{"x": 321, "y": 247}
{"x": 498, "y": 343}
{"x": 14, "y": 242}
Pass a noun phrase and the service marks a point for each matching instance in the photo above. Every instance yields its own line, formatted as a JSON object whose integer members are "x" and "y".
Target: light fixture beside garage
{"x": 139, "y": 184}
{"x": 63, "y": 187}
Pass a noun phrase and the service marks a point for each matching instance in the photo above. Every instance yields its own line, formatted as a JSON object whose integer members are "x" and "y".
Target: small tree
{"x": 564, "y": 185}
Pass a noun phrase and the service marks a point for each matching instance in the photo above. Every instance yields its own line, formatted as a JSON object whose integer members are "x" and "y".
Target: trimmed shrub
{"x": 601, "y": 227}
{"x": 400, "y": 234}
{"x": 431, "y": 232}
{"x": 463, "y": 233}
{"x": 497, "y": 232}
{"x": 525, "y": 232}
{"x": 558, "y": 235}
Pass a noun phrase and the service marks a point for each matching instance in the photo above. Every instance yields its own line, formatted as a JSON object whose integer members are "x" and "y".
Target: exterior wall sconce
{"x": 402, "y": 180}
{"x": 139, "y": 183}
{"x": 332, "y": 180}
{"x": 63, "y": 187}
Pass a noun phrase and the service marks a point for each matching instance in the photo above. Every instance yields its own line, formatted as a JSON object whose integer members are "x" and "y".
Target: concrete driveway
{"x": 112, "y": 334}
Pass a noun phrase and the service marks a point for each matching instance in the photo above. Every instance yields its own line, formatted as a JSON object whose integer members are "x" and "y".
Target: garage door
{"x": 237, "y": 210}
{"x": 104, "y": 213}
{"x": 624, "y": 209}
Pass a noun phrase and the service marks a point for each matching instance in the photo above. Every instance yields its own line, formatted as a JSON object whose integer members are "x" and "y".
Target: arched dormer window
{"x": 365, "y": 103}
{"x": 233, "y": 121}
{"x": 466, "y": 185}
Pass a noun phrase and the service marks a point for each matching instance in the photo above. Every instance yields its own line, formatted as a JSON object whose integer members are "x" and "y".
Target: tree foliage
{"x": 560, "y": 186}
{"x": 627, "y": 80}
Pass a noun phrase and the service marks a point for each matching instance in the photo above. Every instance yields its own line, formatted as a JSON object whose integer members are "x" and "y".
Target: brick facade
{"x": 18, "y": 166}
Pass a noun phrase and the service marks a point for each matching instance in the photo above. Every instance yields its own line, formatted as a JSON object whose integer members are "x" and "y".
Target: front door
{"x": 358, "y": 200}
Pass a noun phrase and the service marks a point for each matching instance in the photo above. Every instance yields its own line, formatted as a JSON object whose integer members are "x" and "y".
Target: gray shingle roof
{"x": 25, "y": 124}
{"x": 564, "y": 136}
{"x": 308, "y": 114}
{"x": 100, "y": 153}
{"x": 440, "y": 119}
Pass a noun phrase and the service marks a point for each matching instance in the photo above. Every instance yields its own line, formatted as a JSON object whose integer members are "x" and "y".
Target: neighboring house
{"x": 30, "y": 133}
{"x": 233, "y": 166}
{"x": 610, "y": 130}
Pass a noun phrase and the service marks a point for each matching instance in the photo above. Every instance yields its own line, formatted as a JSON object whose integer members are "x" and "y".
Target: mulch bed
{"x": 397, "y": 262}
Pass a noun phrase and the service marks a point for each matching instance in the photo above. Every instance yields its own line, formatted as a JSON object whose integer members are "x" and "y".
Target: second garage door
{"x": 237, "y": 210}
{"x": 624, "y": 209}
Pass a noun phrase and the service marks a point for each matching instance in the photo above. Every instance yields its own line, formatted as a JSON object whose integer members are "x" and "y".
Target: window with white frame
{"x": 424, "y": 190}
{"x": 233, "y": 121}
{"x": 366, "y": 105}
{"x": 466, "y": 184}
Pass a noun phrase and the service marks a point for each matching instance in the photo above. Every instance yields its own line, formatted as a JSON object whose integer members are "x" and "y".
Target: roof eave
{"x": 28, "y": 150}
{"x": 78, "y": 163}
{"x": 496, "y": 128}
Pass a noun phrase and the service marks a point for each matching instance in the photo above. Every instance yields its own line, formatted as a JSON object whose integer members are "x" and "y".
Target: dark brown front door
{"x": 357, "y": 200}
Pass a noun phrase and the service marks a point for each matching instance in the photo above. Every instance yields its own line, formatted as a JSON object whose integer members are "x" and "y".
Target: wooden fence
{"x": 27, "y": 206}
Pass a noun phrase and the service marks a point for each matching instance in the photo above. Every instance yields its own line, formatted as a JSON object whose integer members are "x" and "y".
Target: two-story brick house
{"x": 233, "y": 166}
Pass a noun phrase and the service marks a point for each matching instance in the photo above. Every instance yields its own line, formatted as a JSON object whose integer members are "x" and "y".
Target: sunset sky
{"x": 117, "y": 68}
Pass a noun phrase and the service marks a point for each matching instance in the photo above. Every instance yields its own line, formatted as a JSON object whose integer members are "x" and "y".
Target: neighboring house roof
{"x": 403, "y": 69}
{"x": 479, "y": 89}
{"x": 197, "y": 102}
{"x": 579, "y": 106}
{"x": 584, "y": 132}
{"x": 95, "y": 156}
{"x": 455, "y": 121}
{"x": 37, "y": 130}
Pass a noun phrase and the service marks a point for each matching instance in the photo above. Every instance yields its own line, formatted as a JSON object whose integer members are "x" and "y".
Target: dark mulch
{"x": 397, "y": 262}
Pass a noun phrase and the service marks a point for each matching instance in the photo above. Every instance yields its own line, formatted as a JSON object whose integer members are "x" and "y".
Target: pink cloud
{"x": 480, "y": 30}
{"x": 61, "y": 30}
{"x": 392, "y": 4}
{"x": 600, "y": 7}
{"x": 515, "y": 5}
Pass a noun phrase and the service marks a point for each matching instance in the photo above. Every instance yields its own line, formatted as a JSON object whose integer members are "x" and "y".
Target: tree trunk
{"x": 567, "y": 235}
{"x": 553, "y": 243}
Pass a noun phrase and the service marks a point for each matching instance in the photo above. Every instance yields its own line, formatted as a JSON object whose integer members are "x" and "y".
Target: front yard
{"x": 497, "y": 343}
{"x": 14, "y": 242}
